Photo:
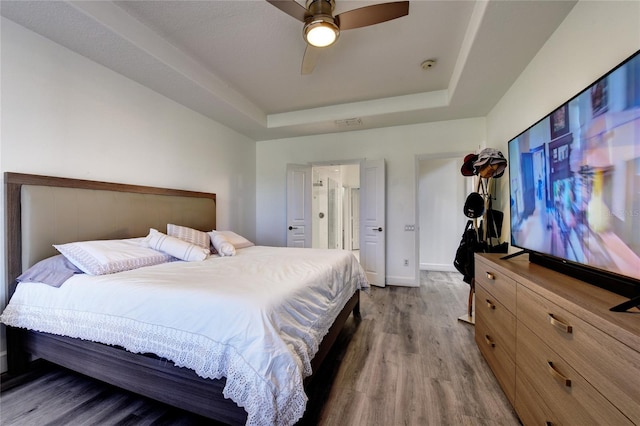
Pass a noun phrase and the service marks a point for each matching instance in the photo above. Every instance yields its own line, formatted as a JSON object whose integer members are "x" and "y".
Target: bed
{"x": 286, "y": 303}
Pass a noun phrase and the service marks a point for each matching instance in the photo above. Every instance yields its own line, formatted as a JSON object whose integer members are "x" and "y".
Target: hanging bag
{"x": 464, "y": 260}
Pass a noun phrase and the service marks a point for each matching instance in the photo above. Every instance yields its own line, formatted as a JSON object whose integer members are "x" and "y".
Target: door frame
{"x": 418, "y": 159}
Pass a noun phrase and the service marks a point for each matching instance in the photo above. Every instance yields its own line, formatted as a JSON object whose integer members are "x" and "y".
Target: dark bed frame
{"x": 147, "y": 374}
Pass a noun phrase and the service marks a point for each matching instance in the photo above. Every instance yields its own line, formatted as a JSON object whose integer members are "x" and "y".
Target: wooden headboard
{"x": 43, "y": 210}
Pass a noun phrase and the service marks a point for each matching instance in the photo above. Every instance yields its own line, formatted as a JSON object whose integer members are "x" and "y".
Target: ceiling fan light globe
{"x": 321, "y": 33}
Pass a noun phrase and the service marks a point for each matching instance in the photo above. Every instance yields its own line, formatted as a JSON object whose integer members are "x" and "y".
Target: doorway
{"x": 336, "y": 207}
{"x": 371, "y": 198}
{"x": 441, "y": 193}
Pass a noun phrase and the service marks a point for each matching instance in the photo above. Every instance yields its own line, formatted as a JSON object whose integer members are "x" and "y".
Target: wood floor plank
{"x": 407, "y": 361}
{"x": 409, "y": 400}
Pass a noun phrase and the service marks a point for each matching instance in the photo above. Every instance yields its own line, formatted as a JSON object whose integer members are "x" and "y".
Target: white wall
{"x": 442, "y": 191}
{"x": 63, "y": 115}
{"x": 595, "y": 36}
{"x": 399, "y": 146}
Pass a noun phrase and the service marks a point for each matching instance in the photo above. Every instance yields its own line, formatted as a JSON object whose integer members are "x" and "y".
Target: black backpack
{"x": 464, "y": 261}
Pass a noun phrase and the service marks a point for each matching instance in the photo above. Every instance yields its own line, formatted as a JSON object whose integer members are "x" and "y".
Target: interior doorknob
{"x": 292, "y": 228}
{"x": 379, "y": 229}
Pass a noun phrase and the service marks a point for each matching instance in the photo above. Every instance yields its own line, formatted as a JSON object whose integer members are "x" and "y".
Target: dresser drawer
{"x": 602, "y": 360}
{"x": 531, "y": 408}
{"x": 501, "y": 363}
{"x": 563, "y": 390}
{"x": 500, "y": 322}
{"x": 496, "y": 282}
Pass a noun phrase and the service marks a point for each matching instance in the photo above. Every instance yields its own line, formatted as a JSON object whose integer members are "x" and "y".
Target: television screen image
{"x": 575, "y": 177}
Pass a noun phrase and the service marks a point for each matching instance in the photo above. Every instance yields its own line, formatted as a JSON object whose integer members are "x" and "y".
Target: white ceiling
{"x": 238, "y": 61}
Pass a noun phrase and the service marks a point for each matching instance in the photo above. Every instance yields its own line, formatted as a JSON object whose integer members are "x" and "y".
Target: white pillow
{"x": 102, "y": 257}
{"x": 220, "y": 243}
{"x": 189, "y": 235}
{"x": 238, "y": 241}
{"x": 175, "y": 246}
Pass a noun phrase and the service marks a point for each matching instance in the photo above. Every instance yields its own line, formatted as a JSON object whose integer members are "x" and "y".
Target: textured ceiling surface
{"x": 238, "y": 61}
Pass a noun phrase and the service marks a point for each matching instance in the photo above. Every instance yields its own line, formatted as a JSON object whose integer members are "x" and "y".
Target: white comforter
{"x": 256, "y": 318}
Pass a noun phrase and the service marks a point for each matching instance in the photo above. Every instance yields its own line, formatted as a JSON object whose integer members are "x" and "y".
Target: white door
{"x": 372, "y": 221}
{"x": 355, "y": 218}
{"x": 298, "y": 205}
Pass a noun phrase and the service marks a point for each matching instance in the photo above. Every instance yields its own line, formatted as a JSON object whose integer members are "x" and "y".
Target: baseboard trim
{"x": 403, "y": 281}
{"x": 441, "y": 267}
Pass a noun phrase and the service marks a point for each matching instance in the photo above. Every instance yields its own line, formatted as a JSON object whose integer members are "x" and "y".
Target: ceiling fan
{"x": 321, "y": 29}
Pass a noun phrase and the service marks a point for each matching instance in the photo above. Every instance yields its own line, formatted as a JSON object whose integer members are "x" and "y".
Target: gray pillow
{"x": 53, "y": 271}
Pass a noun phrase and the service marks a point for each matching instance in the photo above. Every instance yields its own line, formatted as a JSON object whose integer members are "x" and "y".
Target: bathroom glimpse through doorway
{"x": 336, "y": 207}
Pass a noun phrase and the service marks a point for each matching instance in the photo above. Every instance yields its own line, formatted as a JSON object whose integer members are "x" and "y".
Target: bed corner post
{"x": 13, "y": 237}
{"x": 17, "y": 358}
{"x": 356, "y": 308}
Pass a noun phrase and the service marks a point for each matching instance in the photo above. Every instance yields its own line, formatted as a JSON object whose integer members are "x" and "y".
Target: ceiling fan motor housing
{"x": 320, "y": 14}
{"x": 320, "y": 7}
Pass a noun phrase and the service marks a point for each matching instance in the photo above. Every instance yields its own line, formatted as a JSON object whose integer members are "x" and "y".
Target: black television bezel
{"x": 622, "y": 285}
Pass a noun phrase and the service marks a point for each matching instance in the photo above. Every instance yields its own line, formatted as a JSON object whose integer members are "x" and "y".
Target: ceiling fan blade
{"x": 310, "y": 58}
{"x": 291, "y": 8}
{"x": 371, "y": 15}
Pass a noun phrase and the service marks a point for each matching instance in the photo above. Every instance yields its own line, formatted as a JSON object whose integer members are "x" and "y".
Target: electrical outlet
{"x": 406, "y": 262}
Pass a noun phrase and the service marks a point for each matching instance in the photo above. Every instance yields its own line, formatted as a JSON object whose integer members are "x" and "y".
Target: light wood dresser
{"x": 559, "y": 354}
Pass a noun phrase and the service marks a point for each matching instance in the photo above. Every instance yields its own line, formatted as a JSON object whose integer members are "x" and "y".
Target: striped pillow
{"x": 189, "y": 235}
{"x": 175, "y": 246}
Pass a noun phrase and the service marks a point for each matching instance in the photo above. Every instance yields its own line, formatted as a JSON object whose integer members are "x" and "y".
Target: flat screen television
{"x": 574, "y": 184}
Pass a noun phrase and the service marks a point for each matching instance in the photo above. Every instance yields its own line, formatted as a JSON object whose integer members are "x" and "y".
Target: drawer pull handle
{"x": 558, "y": 376}
{"x": 489, "y": 341}
{"x": 548, "y": 423}
{"x": 490, "y": 305}
{"x": 559, "y": 324}
{"x": 490, "y": 276}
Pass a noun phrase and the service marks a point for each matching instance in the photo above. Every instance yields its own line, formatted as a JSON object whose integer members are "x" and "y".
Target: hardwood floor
{"x": 408, "y": 361}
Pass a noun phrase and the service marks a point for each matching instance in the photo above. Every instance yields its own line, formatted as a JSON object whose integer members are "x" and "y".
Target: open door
{"x": 372, "y": 221}
{"x": 298, "y": 205}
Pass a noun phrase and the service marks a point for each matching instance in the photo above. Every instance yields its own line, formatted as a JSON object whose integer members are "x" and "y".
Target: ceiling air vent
{"x": 349, "y": 122}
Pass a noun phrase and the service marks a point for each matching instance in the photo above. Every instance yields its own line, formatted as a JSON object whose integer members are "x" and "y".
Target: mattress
{"x": 256, "y": 318}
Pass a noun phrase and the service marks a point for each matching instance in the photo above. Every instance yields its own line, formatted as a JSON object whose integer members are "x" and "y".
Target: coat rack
{"x": 486, "y": 166}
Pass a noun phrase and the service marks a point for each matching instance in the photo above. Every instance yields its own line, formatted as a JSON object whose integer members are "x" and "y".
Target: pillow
{"x": 220, "y": 243}
{"x": 102, "y": 257}
{"x": 175, "y": 246}
{"x": 238, "y": 241}
{"x": 189, "y": 235}
{"x": 53, "y": 271}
